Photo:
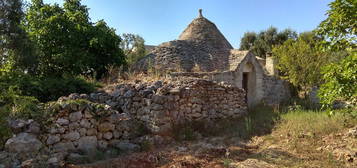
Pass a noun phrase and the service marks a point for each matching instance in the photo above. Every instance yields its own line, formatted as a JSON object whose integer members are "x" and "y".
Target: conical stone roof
{"x": 201, "y": 47}
{"x": 204, "y": 31}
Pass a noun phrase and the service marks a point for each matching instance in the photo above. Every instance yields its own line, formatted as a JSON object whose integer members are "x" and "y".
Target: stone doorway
{"x": 249, "y": 83}
{"x": 245, "y": 85}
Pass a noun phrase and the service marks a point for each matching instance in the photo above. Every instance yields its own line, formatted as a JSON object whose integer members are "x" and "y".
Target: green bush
{"x": 14, "y": 105}
{"x": 45, "y": 89}
{"x": 341, "y": 81}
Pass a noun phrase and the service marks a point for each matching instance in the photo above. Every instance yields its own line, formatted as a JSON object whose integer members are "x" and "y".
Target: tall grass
{"x": 316, "y": 123}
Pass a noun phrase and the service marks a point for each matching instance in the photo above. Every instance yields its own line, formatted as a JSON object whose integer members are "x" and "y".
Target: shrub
{"x": 341, "y": 81}
{"x": 14, "y": 105}
{"x": 45, "y": 89}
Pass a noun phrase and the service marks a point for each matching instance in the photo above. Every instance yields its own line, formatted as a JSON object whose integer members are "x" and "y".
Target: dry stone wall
{"x": 275, "y": 90}
{"x": 116, "y": 118}
{"x": 158, "y": 105}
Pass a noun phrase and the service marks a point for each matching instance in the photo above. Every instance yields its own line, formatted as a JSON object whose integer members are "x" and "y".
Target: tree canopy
{"x": 262, "y": 43}
{"x": 68, "y": 42}
{"x": 15, "y": 48}
{"x": 340, "y": 27}
{"x": 299, "y": 61}
{"x": 339, "y": 31}
{"x": 133, "y": 46}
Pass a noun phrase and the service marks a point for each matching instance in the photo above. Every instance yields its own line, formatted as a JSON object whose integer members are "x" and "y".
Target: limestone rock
{"x": 52, "y": 139}
{"x": 62, "y": 121}
{"x": 91, "y": 132}
{"x": 17, "y": 125}
{"x": 105, "y": 127}
{"x": 85, "y": 123}
{"x": 108, "y": 135}
{"x": 63, "y": 147}
{"x": 72, "y": 136}
{"x": 75, "y": 116}
{"x": 87, "y": 143}
{"x": 23, "y": 143}
{"x": 34, "y": 128}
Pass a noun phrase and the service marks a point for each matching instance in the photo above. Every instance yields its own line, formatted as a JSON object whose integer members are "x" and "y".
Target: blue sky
{"x": 159, "y": 21}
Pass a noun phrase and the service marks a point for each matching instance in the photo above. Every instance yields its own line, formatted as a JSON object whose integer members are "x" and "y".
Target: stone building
{"x": 202, "y": 51}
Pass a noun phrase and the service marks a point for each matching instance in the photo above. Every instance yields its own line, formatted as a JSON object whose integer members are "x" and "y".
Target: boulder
{"x": 23, "y": 143}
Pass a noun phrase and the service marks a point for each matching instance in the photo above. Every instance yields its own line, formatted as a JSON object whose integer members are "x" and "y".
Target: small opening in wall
{"x": 245, "y": 85}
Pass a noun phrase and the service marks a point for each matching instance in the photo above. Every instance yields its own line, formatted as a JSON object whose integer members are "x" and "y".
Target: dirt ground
{"x": 273, "y": 150}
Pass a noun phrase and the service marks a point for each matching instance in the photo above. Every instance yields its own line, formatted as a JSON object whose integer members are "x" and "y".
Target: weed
{"x": 227, "y": 163}
{"x": 146, "y": 146}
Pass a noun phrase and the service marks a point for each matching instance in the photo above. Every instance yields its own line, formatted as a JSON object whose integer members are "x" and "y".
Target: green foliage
{"x": 67, "y": 42}
{"x": 262, "y": 43}
{"x": 15, "y": 47}
{"x": 133, "y": 47}
{"x": 14, "y": 105}
{"x": 340, "y": 34}
{"x": 247, "y": 41}
{"x": 45, "y": 89}
{"x": 300, "y": 61}
{"x": 341, "y": 81}
{"x": 340, "y": 27}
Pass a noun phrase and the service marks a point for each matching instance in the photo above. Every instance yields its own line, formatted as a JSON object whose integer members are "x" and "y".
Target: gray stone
{"x": 73, "y": 96}
{"x": 105, "y": 127}
{"x": 87, "y": 143}
{"x": 27, "y": 164}
{"x": 91, "y": 132}
{"x": 17, "y": 125}
{"x": 103, "y": 144}
{"x": 63, "y": 147}
{"x": 129, "y": 94}
{"x": 62, "y": 121}
{"x": 74, "y": 126}
{"x": 125, "y": 146}
{"x": 34, "y": 128}
{"x": 82, "y": 131}
{"x": 85, "y": 123}
{"x": 116, "y": 118}
{"x": 72, "y": 136}
{"x": 88, "y": 114}
{"x": 54, "y": 161}
{"x": 108, "y": 135}
{"x": 52, "y": 139}
{"x": 75, "y": 116}
{"x": 84, "y": 96}
{"x": 117, "y": 134}
{"x": 23, "y": 143}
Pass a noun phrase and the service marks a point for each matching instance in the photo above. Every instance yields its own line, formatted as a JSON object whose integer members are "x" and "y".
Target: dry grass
{"x": 297, "y": 137}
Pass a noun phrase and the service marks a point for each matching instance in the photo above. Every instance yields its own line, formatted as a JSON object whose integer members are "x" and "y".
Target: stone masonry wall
{"x": 157, "y": 105}
{"x": 275, "y": 90}
{"x": 113, "y": 118}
